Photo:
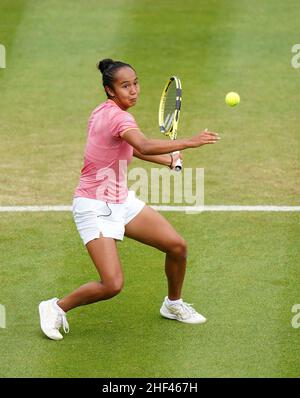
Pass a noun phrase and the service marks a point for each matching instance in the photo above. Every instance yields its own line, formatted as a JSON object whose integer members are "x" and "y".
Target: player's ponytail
{"x": 108, "y": 68}
{"x": 105, "y": 64}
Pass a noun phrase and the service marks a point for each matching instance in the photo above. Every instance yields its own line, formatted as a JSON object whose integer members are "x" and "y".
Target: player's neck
{"x": 118, "y": 103}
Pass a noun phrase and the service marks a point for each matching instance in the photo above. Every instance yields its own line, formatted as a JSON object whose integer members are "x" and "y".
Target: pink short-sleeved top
{"x": 107, "y": 155}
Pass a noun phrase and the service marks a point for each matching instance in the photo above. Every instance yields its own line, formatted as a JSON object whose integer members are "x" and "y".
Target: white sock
{"x": 56, "y": 306}
{"x": 173, "y": 302}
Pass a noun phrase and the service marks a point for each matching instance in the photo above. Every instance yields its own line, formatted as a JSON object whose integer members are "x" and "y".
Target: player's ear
{"x": 109, "y": 91}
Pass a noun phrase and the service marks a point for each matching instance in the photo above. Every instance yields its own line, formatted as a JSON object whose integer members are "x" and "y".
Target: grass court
{"x": 243, "y": 267}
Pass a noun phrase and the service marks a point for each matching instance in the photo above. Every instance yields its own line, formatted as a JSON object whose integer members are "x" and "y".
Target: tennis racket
{"x": 169, "y": 111}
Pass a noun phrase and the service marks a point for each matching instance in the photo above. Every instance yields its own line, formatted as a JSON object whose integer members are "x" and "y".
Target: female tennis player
{"x": 104, "y": 211}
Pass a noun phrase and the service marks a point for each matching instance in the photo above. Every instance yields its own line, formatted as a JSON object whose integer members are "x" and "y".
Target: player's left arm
{"x": 159, "y": 159}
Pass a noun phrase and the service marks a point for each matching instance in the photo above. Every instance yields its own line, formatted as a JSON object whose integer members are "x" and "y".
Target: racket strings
{"x": 170, "y": 106}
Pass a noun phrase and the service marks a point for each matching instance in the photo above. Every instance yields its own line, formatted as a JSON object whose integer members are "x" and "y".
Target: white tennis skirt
{"x": 93, "y": 216}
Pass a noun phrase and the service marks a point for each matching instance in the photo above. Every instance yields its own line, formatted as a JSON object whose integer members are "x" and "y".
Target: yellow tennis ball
{"x": 232, "y": 99}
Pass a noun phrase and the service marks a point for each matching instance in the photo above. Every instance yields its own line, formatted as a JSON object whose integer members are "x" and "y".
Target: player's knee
{"x": 179, "y": 248}
{"x": 114, "y": 287}
{"x": 115, "y": 290}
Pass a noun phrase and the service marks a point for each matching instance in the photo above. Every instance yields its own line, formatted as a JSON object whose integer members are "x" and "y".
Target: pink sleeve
{"x": 121, "y": 122}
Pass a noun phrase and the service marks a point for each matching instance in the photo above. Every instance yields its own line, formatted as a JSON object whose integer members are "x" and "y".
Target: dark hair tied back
{"x": 105, "y": 64}
{"x": 108, "y": 68}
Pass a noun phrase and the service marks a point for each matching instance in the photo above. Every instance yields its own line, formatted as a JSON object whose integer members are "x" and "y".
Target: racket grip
{"x": 178, "y": 164}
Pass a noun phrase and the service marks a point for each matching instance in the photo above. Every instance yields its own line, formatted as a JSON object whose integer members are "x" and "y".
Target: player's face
{"x": 126, "y": 88}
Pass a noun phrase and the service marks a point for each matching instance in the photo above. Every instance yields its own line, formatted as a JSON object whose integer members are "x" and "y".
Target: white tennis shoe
{"x": 52, "y": 318}
{"x": 181, "y": 311}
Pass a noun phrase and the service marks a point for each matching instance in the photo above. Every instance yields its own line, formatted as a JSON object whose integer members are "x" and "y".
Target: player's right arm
{"x": 148, "y": 146}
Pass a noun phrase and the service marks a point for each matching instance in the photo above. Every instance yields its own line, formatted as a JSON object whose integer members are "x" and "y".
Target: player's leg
{"x": 104, "y": 254}
{"x": 151, "y": 228}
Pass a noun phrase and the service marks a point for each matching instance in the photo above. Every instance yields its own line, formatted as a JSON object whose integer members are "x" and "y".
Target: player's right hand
{"x": 203, "y": 138}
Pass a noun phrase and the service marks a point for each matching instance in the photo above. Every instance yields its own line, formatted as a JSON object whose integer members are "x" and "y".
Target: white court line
{"x": 164, "y": 208}
{"x": 227, "y": 208}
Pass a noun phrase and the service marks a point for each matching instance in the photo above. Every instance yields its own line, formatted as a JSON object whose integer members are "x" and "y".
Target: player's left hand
{"x": 176, "y": 156}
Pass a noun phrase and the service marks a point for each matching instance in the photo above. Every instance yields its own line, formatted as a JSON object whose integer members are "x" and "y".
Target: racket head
{"x": 169, "y": 107}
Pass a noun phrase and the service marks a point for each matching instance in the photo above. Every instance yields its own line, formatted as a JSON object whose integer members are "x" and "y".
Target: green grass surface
{"x": 51, "y": 85}
{"x": 243, "y": 269}
{"x": 242, "y": 274}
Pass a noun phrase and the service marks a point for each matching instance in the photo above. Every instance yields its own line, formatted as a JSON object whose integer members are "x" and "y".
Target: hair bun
{"x": 104, "y": 64}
